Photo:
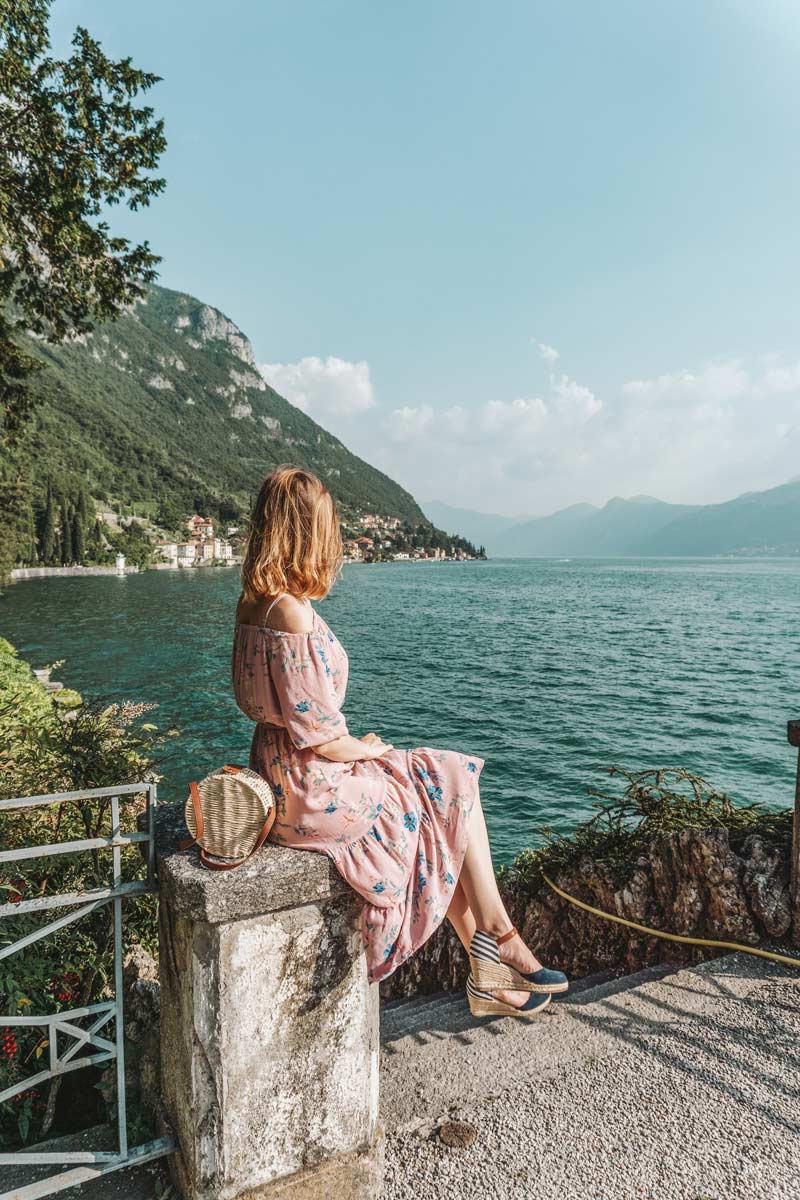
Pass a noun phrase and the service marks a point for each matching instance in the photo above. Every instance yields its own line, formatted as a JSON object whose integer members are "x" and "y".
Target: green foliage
{"x": 173, "y": 446}
{"x": 73, "y": 142}
{"x": 650, "y": 805}
{"x": 55, "y": 743}
{"x": 17, "y": 538}
{"x": 132, "y": 541}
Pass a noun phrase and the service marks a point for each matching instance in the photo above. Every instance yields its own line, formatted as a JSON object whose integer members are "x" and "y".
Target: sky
{"x": 518, "y": 255}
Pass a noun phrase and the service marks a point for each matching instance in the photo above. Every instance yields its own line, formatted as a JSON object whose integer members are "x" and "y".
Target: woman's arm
{"x": 351, "y": 749}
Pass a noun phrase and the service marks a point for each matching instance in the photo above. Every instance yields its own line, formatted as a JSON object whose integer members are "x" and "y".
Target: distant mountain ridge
{"x": 755, "y": 523}
{"x": 483, "y": 526}
{"x": 165, "y": 403}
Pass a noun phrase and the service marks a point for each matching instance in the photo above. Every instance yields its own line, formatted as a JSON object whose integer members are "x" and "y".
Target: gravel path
{"x": 685, "y": 1088}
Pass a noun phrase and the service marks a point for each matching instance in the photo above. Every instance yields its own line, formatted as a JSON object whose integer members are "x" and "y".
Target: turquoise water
{"x": 544, "y": 668}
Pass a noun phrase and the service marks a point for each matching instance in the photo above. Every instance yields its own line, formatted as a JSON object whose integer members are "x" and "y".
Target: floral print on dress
{"x": 395, "y": 827}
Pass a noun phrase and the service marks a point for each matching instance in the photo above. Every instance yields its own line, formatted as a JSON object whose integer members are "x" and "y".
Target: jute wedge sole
{"x": 483, "y": 1005}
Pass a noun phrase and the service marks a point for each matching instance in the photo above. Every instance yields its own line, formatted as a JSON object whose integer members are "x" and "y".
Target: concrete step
{"x": 446, "y": 1013}
{"x": 664, "y": 1083}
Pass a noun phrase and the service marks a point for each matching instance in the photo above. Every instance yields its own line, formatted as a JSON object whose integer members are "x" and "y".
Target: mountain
{"x": 165, "y": 404}
{"x": 616, "y": 528}
{"x": 479, "y": 527}
{"x": 755, "y": 523}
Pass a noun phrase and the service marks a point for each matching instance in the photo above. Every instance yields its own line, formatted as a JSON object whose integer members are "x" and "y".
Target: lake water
{"x": 545, "y": 668}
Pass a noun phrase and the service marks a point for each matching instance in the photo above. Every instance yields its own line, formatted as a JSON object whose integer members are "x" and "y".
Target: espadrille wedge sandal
{"x": 490, "y": 974}
{"x": 484, "y": 1004}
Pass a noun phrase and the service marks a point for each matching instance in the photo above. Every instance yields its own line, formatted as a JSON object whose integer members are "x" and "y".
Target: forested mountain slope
{"x": 165, "y": 404}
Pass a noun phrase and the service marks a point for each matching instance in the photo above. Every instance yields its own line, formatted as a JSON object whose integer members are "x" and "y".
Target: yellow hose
{"x": 672, "y": 937}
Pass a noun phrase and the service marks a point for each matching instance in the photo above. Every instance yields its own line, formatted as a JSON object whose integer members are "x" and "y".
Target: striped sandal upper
{"x": 491, "y": 973}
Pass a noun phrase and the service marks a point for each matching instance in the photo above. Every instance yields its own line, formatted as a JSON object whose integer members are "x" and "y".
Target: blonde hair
{"x": 295, "y": 543}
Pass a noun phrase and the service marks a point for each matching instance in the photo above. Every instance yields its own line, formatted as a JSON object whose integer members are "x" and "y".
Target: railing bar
{"x": 41, "y": 1076}
{"x": 119, "y": 1024}
{"x": 69, "y": 1156}
{"x": 65, "y": 1014}
{"x": 85, "y": 1174}
{"x": 151, "y": 832}
{"x": 66, "y": 899}
{"x": 83, "y": 1037}
{"x": 124, "y": 789}
{"x": 124, "y": 839}
{"x": 53, "y": 927}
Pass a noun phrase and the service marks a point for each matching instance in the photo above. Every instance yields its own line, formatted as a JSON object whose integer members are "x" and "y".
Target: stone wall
{"x": 690, "y": 883}
{"x": 58, "y": 572}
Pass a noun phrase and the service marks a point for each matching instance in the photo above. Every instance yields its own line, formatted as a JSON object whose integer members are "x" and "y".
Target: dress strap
{"x": 275, "y": 601}
{"x": 269, "y": 610}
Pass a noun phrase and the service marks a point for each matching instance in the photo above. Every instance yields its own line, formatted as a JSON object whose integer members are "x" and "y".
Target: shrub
{"x": 59, "y": 742}
{"x": 650, "y": 805}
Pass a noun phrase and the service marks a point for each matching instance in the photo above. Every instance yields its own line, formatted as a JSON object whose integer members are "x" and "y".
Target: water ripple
{"x": 545, "y": 669}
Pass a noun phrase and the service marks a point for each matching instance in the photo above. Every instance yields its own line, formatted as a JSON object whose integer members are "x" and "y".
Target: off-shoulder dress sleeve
{"x": 303, "y": 682}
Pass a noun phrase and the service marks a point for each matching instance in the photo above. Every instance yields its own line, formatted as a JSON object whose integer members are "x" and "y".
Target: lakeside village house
{"x": 202, "y": 547}
{"x": 362, "y": 549}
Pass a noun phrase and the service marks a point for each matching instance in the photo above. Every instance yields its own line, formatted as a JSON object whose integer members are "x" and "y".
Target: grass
{"x": 648, "y": 806}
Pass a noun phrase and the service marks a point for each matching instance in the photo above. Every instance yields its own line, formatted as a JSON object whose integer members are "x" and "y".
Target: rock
{"x": 766, "y": 885}
{"x": 459, "y": 1135}
{"x": 138, "y": 964}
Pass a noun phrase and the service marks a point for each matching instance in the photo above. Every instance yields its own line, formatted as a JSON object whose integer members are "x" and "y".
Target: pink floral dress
{"x": 395, "y": 827}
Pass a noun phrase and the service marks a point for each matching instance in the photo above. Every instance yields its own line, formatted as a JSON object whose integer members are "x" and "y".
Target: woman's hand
{"x": 374, "y": 743}
{"x": 351, "y": 749}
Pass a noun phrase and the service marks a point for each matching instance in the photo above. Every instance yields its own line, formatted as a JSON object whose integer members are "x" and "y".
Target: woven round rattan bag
{"x": 228, "y": 814}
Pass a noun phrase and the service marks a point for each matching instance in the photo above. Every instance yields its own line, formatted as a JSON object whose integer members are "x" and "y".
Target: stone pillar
{"x": 269, "y": 1028}
{"x": 793, "y": 730}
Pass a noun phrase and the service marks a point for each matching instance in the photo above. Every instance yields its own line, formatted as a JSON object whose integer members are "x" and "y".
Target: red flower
{"x": 67, "y": 988}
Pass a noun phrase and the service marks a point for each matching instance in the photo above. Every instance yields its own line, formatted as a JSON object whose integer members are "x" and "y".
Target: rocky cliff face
{"x": 691, "y": 883}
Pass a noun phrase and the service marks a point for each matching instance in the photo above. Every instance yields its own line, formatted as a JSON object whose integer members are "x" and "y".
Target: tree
{"x": 72, "y": 142}
{"x": 66, "y": 535}
{"x": 17, "y": 532}
{"x": 78, "y": 543}
{"x": 47, "y": 532}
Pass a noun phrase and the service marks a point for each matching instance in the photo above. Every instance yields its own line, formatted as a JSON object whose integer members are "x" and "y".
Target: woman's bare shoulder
{"x": 286, "y": 615}
{"x": 290, "y": 615}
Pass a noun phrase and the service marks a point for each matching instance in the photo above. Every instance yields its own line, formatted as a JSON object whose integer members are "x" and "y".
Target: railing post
{"x": 793, "y": 731}
{"x": 269, "y": 1027}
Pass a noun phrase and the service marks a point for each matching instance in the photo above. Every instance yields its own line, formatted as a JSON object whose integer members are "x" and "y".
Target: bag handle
{"x": 194, "y": 792}
{"x": 212, "y": 865}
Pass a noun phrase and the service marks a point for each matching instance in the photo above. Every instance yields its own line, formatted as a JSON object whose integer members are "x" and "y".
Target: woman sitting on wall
{"x": 404, "y": 828}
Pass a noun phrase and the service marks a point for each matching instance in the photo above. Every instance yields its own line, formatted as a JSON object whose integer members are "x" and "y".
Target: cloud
{"x": 715, "y": 382}
{"x": 548, "y": 353}
{"x": 409, "y": 423}
{"x": 700, "y": 434}
{"x": 323, "y": 387}
{"x": 574, "y": 397}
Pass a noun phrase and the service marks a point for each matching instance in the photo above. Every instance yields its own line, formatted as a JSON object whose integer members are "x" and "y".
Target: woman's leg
{"x": 460, "y": 916}
{"x": 477, "y": 902}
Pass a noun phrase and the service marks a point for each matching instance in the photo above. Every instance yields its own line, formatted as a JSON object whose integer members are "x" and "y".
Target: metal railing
{"x": 66, "y": 1036}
